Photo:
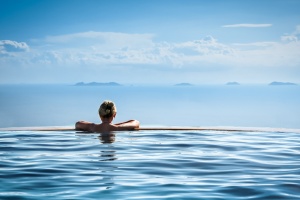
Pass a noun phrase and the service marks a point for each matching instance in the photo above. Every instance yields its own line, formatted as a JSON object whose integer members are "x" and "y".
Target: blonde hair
{"x": 107, "y": 109}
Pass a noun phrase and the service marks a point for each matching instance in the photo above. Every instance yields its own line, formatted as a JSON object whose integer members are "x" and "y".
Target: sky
{"x": 149, "y": 41}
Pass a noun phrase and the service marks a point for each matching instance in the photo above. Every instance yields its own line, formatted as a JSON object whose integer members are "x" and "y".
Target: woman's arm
{"x": 84, "y": 126}
{"x": 128, "y": 125}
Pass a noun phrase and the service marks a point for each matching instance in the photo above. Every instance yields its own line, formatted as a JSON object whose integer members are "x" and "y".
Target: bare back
{"x": 107, "y": 127}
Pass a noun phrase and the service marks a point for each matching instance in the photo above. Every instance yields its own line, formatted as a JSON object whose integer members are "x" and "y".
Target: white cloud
{"x": 289, "y": 38}
{"x": 98, "y": 40}
{"x": 205, "y": 46}
{"x": 105, "y": 48}
{"x": 297, "y": 31}
{"x": 273, "y": 56}
{"x": 293, "y": 37}
{"x": 256, "y": 44}
{"x": 12, "y": 46}
{"x": 196, "y": 52}
{"x": 96, "y": 51}
{"x": 247, "y": 26}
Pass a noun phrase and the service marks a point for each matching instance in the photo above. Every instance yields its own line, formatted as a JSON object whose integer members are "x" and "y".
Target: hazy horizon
{"x": 158, "y": 84}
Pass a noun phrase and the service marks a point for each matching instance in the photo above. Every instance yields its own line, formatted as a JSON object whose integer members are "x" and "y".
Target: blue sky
{"x": 143, "y": 42}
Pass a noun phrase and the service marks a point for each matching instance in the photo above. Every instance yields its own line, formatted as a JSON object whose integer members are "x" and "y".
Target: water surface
{"x": 149, "y": 165}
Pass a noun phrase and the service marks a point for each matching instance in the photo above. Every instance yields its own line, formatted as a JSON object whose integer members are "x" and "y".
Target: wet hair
{"x": 107, "y": 109}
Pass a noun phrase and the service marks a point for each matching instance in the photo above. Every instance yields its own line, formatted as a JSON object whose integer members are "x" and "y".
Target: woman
{"x": 107, "y": 113}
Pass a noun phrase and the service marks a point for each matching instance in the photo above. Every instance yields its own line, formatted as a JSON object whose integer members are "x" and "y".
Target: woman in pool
{"x": 107, "y": 113}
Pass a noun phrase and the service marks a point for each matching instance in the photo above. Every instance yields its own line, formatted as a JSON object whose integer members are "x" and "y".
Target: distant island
{"x": 232, "y": 83}
{"x": 183, "y": 84}
{"x": 281, "y": 83}
{"x": 97, "y": 84}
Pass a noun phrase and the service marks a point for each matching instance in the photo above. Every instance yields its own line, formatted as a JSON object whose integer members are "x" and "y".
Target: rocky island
{"x": 183, "y": 84}
{"x": 232, "y": 83}
{"x": 275, "y": 83}
{"x": 97, "y": 84}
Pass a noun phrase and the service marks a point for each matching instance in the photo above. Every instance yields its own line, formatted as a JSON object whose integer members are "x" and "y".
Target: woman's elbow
{"x": 136, "y": 124}
{"x": 78, "y": 125}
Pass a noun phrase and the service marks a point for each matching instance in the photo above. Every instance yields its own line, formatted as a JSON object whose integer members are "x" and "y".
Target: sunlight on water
{"x": 149, "y": 165}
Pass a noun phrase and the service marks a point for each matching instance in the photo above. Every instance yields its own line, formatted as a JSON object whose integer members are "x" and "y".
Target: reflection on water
{"x": 149, "y": 165}
{"x": 107, "y": 138}
{"x": 108, "y": 154}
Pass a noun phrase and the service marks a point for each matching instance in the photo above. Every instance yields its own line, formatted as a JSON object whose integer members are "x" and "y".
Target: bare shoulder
{"x": 128, "y": 125}
{"x": 84, "y": 126}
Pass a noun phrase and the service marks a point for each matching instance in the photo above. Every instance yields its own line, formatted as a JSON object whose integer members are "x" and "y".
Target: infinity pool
{"x": 149, "y": 165}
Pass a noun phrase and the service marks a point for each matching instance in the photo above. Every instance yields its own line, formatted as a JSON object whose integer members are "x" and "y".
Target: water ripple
{"x": 149, "y": 165}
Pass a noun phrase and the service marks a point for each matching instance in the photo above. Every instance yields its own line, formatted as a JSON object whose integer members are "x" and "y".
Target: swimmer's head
{"x": 107, "y": 109}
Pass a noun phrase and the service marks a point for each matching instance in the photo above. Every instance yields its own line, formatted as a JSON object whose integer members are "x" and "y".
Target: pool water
{"x": 149, "y": 165}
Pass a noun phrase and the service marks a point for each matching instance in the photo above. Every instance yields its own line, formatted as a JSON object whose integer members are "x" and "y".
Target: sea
{"x": 249, "y": 163}
{"x": 208, "y": 105}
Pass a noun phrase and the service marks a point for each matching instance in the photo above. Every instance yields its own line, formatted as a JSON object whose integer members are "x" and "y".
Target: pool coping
{"x": 164, "y": 128}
